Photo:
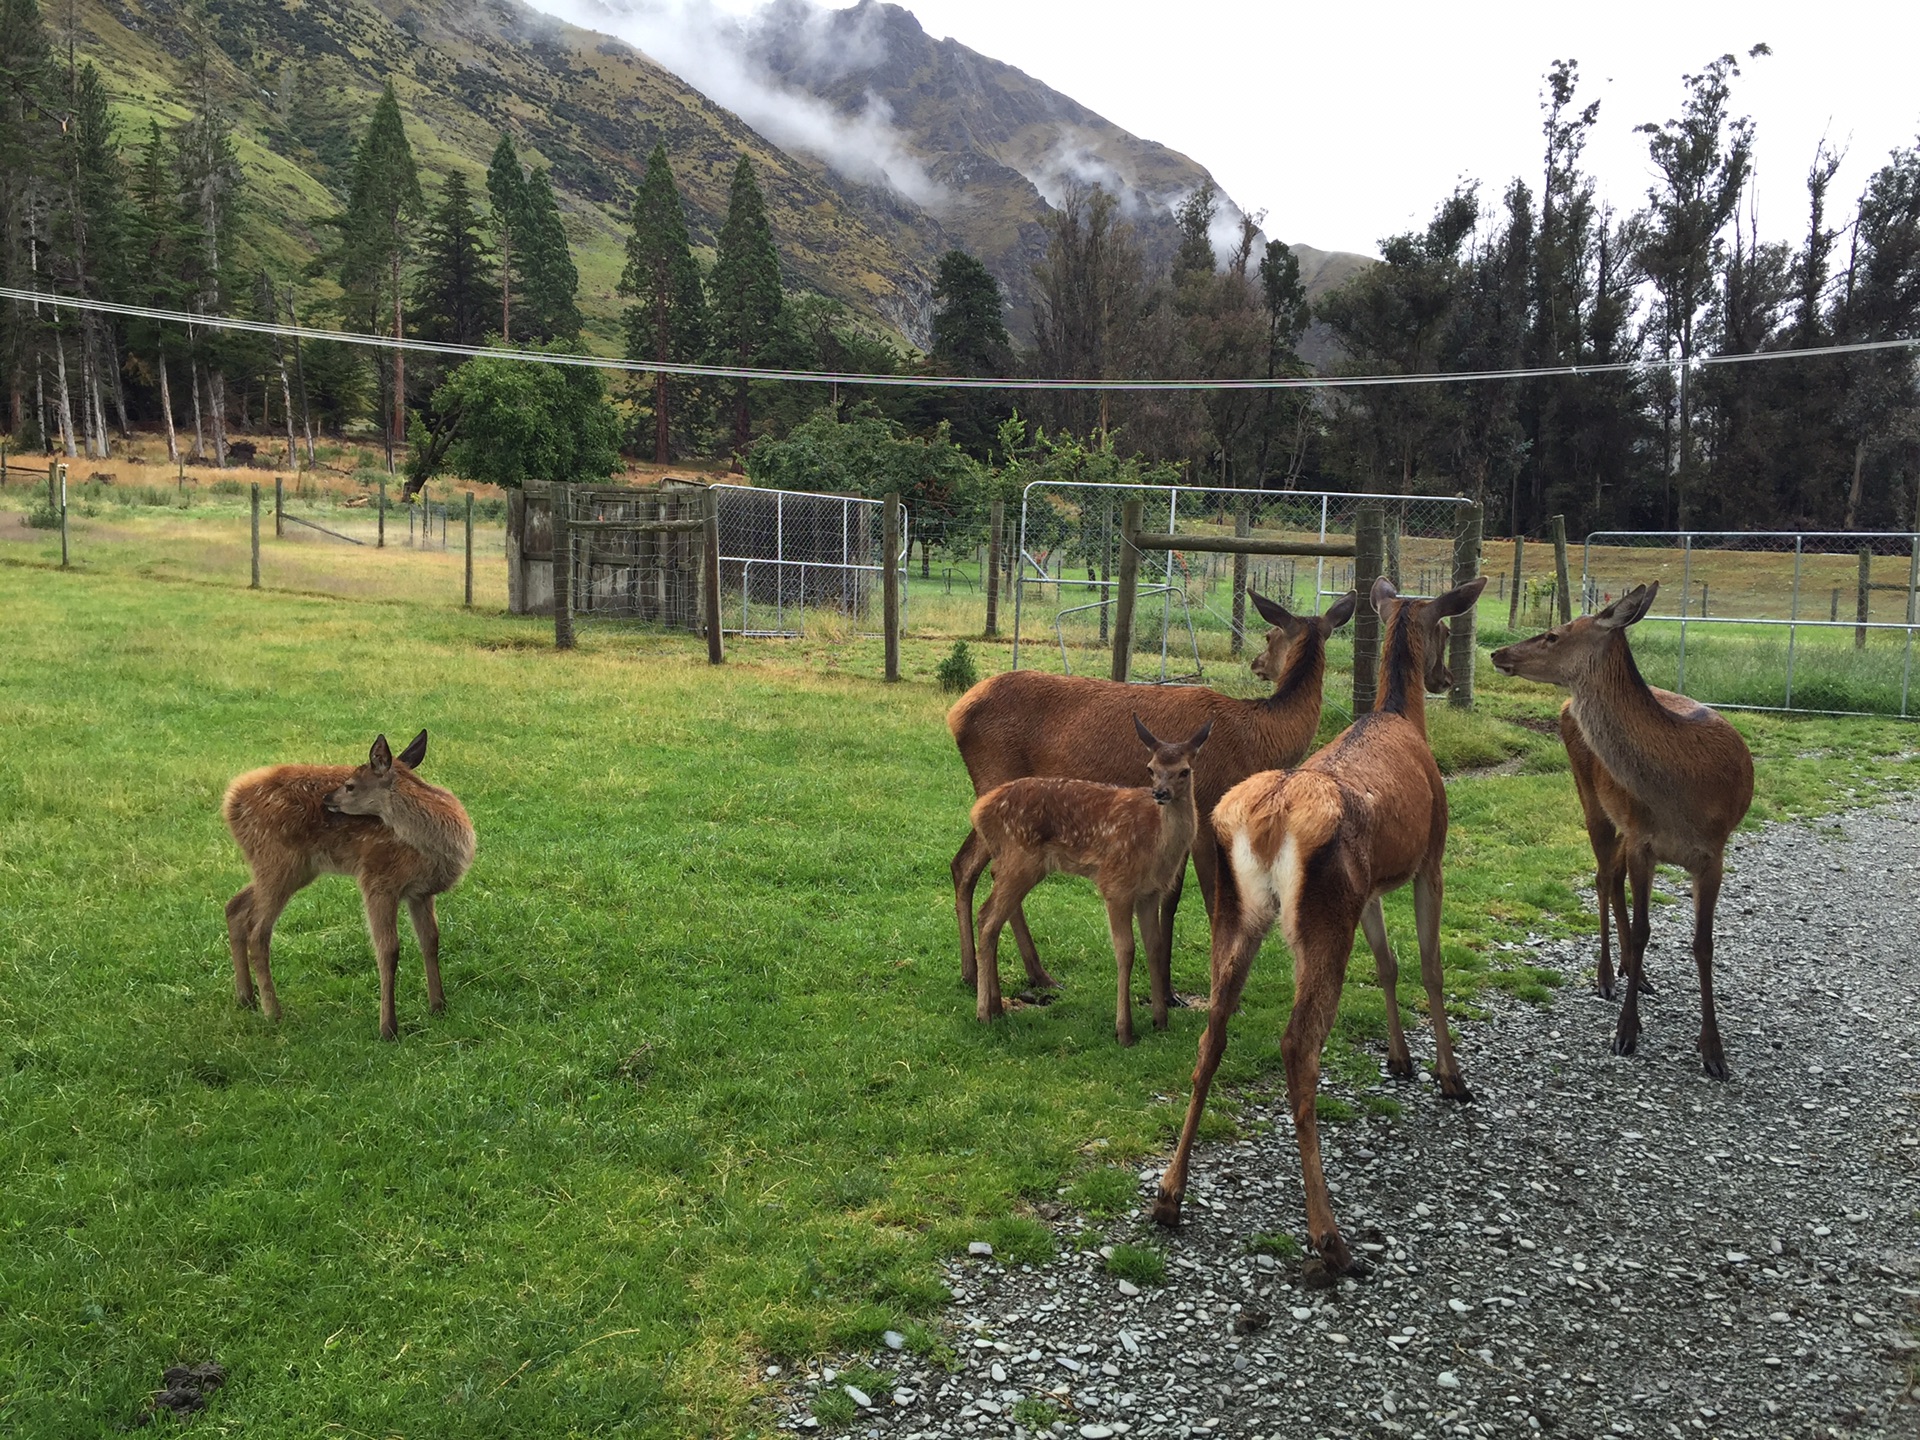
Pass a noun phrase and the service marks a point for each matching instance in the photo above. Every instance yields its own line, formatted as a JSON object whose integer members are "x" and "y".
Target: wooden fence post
{"x": 1913, "y": 562}
{"x": 469, "y": 549}
{"x": 1369, "y": 559}
{"x": 380, "y": 541}
{"x": 890, "y": 584}
{"x": 253, "y": 508}
{"x": 3, "y": 464}
{"x": 562, "y": 503}
{"x": 1130, "y": 512}
{"x": 279, "y": 507}
{"x": 63, "y": 518}
{"x": 996, "y": 520}
{"x": 1560, "y": 568}
{"x": 1861, "y": 606}
{"x": 1513, "y": 605}
{"x": 1242, "y": 527}
{"x": 1465, "y": 627}
{"x": 710, "y": 563}
{"x": 53, "y": 481}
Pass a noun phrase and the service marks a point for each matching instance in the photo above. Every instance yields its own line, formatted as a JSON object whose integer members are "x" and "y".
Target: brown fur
{"x": 1661, "y": 778}
{"x": 397, "y": 836}
{"x": 1313, "y": 850}
{"x": 1131, "y": 842}
{"x": 1024, "y": 723}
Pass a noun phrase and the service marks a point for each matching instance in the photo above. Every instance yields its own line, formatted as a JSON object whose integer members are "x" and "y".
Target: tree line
{"x": 1548, "y": 276}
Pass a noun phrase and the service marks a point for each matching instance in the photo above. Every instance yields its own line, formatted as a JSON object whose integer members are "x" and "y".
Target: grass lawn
{"x": 707, "y": 1089}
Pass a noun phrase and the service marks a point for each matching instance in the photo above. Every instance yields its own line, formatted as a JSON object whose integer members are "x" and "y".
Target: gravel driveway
{"x": 1595, "y": 1247}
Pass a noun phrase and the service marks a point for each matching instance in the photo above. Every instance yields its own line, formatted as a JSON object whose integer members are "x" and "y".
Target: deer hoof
{"x": 1166, "y": 1210}
{"x": 1606, "y": 987}
{"x": 1401, "y": 1069}
{"x": 1125, "y": 1037}
{"x": 1625, "y": 1042}
{"x": 1454, "y": 1087}
{"x": 1715, "y": 1064}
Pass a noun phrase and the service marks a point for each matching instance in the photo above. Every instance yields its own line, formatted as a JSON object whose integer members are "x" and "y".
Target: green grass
{"x": 1278, "y": 1244}
{"x": 707, "y": 1089}
{"x": 1142, "y": 1264}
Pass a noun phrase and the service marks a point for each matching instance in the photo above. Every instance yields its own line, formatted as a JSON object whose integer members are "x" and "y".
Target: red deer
{"x": 398, "y": 836}
{"x": 1024, "y": 723}
{"x": 1132, "y": 842}
{"x": 1670, "y": 779}
{"x": 1314, "y": 849}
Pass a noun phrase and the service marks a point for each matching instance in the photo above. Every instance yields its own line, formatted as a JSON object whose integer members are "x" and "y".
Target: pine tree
{"x": 383, "y": 208}
{"x": 745, "y": 290}
{"x": 970, "y": 338}
{"x": 507, "y": 191}
{"x": 27, "y": 130}
{"x": 211, "y": 181}
{"x": 549, "y": 283}
{"x": 158, "y": 241}
{"x": 454, "y": 297}
{"x": 1195, "y": 220}
{"x": 669, "y": 324}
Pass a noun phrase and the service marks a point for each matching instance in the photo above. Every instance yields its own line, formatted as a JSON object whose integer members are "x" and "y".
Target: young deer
{"x": 398, "y": 836}
{"x": 1025, "y": 723}
{"x": 1131, "y": 842}
{"x": 1314, "y": 849}
{"x": 1661, "y": 778}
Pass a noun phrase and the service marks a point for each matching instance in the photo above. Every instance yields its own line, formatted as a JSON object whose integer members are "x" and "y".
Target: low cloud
{"x": 717, "y": 53}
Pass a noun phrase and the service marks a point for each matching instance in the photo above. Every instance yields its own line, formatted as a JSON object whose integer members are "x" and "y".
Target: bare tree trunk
{"x": 300, "y": 375}
{"x": 217, "y": 403}
{"x": 119, "y": 389}
{"x": 286, "y": 404}
{"x": 1853, "y": 491}
{"x": 166, "y": 409}
{"x": 66, "y": 397}
{"x": 199, "y": 430}
{"x": 399, "y": 364}
{"x": 40, "y": 413}
{"x": 89, "y": 438}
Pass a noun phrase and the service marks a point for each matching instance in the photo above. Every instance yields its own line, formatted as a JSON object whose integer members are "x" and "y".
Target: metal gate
{"x": 785, "y": 553}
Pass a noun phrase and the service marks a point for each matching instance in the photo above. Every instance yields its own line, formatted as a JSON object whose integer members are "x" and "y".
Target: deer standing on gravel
{"x": 1661, "y": 778}
{"x": 1132, "y": 842}
{"x": 397, "y": 836}
{"x": 1313, "y": 850}
{"x": 1024, "y": 723}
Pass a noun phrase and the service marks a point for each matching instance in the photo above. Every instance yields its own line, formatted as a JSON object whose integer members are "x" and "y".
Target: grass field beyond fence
{"x": 707, "y": 1092}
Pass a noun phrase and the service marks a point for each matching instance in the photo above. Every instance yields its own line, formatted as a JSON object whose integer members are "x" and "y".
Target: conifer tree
{"x": 383, "y": 208}
{"x": 454, "y": 297}
{"x": 970, "y": 338}
{"x": 210, "y": 180}
{"x": 549, "y": 283}
{"x": 669, "y": 322}
{"x": 27, "y": 129}
{"x": 745, "y": 290}
{"x": 507, "y": 191}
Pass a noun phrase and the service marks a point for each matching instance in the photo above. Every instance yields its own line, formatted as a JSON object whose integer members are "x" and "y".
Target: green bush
{"x": 958, "y": 672}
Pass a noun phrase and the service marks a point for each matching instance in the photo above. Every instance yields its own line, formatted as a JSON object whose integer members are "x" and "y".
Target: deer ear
{"x": 1271, "y": 611}
{"x": 415, "y": 752}
{"x": 1339, "y": 613}
{"x": 1200, "y": 736}
{"x": 380, "y": 757}
{"x": 1628, "y": 609}
{"x": 1146, "y": 735}
{"x": 1461, "y": 598}
{"x": 1383, "y": 591}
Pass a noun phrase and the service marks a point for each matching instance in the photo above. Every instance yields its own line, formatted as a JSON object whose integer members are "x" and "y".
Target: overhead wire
{"x": 243, "y": 325}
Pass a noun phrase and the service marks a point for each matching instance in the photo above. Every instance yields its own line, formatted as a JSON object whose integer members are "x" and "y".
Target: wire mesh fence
{"x": 1067, "y": 555}
{"x": 1810, "y": 621}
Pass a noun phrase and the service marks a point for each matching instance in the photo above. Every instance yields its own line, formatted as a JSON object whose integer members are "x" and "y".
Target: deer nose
{"x": 1161, "y": 795}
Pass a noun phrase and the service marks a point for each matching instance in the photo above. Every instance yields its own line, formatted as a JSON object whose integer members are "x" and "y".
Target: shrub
{"x": 957, "y": 672}
{"x": 1142, "y": 1264}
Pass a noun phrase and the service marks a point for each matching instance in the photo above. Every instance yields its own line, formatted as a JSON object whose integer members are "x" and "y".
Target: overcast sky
{"x": 1349, "y": 122}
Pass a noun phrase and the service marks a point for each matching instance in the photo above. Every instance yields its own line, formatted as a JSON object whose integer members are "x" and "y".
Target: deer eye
{"x": 1552, "y": 639}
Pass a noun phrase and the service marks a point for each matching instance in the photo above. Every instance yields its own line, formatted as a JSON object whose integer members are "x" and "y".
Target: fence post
{"x": 279, "y": 507}
{"x": 890, "y": 578}
{"x": 1242, "y": 527}
{"x": 253, "y": 508}
{"x": 1464, "y": 627}
{"x": 1369, "y": 558}
{"x": 469, "y": 549}
{"x": 1513, "y": 605}
{"x": 710, "y": 563}
{"x": 1130, "y": 512}
{"x": 3, "y": 464}
{"x": 63, "y": 517}
{"x": 380, "y": 541}
{"x": 996, "y": 519}
{"x": 53, "y": 481}
{"x": 562, "y": 502}
{"x": 1560, "y": 568}
{"x": 1860, "y": 609}
{"x": 1913, "y": 563}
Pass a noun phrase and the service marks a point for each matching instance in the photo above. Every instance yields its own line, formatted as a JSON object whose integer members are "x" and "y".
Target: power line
{"x": 925, "y": 382}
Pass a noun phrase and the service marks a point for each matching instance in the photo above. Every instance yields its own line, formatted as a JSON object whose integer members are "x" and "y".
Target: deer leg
{"x": 426, "y": 929}
{"x": 1120, "y": 926}
{"x": 383, "y": 923}
{"x": 1234, "y": 949}
{"x": 1706, "y": 895}
{"x": 1604, "y": 878}
{"x": 1160, "y": 956}
{"x": 1037, "y": 976}
{"x": 1427, "y": 893}
{"x": 1633, "y": 946}
{"x": 268, "y": 902}
{"x": 968, "y": 865}
{"x": 1156, "y": 934}
{"x": 239, "y": 920}
{"x": 1319, "y": 970}
{"x": 1374, "y": 922}
{"x": 1011, "y": 882}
